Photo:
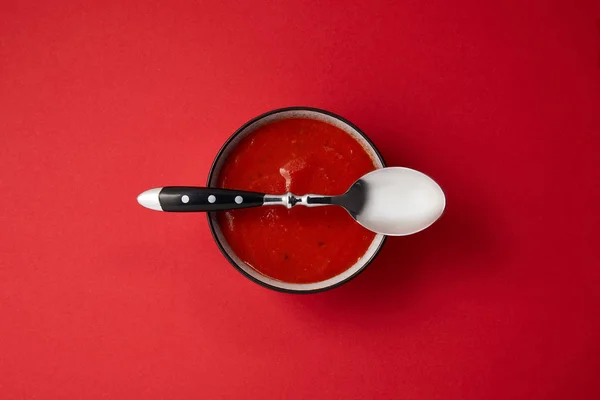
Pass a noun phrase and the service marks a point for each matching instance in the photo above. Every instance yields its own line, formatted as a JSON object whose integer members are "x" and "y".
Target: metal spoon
{"x": 393, "y": 201}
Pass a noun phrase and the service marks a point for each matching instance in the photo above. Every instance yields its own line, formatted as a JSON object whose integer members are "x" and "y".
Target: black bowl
{"x": 213, "y": 176}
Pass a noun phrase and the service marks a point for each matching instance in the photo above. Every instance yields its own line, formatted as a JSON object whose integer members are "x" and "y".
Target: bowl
{"x": 221, "y": 159}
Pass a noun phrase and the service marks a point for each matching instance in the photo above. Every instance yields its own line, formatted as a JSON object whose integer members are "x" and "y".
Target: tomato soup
{"x": 299, "y": 245}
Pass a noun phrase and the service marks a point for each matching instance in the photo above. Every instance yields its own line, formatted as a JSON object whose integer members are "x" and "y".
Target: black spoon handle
{"x": 191, "y": 198}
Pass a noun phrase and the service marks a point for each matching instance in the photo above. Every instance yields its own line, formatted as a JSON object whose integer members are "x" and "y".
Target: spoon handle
{"x": 191, "y": 198}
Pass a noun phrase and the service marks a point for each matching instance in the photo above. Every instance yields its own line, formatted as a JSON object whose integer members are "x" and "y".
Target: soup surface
{"x": 300, "y": 245}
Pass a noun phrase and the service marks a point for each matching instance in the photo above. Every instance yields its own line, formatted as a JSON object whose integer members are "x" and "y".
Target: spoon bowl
{"x": 400, "y": 201}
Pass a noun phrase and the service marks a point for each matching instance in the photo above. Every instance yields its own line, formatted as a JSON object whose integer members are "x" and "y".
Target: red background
{"x": 499, "y": 102}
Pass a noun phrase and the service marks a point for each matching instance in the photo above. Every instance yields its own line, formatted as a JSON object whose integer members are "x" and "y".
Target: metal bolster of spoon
{"x": 289, "y": 200}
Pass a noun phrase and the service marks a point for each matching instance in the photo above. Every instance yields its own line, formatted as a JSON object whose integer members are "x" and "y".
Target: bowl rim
{"x": 222, "y": 151}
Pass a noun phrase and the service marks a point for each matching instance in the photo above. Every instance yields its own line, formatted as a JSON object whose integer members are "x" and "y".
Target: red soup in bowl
{"x": 298, "y": 150}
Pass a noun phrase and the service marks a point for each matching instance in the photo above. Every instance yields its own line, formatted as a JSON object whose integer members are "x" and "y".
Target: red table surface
{"x": 102, "y": 299}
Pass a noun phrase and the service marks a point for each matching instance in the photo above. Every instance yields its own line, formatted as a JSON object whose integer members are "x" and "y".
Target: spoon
{"x": 392, "y": 201}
